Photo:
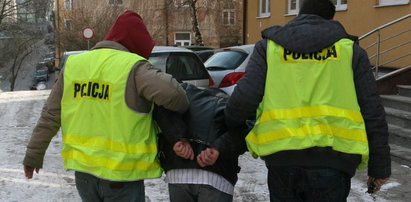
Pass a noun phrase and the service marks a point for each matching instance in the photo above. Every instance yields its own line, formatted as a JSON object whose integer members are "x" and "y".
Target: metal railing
{"x": 390, "y": 45}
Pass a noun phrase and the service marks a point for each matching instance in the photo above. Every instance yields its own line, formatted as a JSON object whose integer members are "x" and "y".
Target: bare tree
{"x": 155, "y": 16}
{"x": 16, "y": 17}
{"x": 194, "y": 21}
{"x": 100, "y": 19}
{"x": 12, "y": 10}
{"x": 192, "y": 4}
{"x": 102, "y": 16}
{"x": 8, "y": 9}
{"x": 21, "y": 45}
{"x": 39, "y": 9}
{"x": 23, "y": 49}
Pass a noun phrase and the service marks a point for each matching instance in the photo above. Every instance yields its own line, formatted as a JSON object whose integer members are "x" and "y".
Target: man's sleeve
{"x": 228, "y": 145}
{"x": 160, "y": 88}
{"x": 172, "y": 125}
{"x": 379, "y": 165}
{"x": 249, "y": 91}
{"x": 46, "y": 128}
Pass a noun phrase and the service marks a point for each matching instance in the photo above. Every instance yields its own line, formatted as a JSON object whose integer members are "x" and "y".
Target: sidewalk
{"x": 19, "y": 113}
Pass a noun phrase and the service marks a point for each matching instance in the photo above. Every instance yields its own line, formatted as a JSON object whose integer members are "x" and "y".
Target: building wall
{"x": 163, "y": 19}
{"x": 360, "y": 17}
{"x": 210, "y": 18}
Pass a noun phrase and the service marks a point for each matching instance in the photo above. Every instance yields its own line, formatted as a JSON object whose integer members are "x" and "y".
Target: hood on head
{"x": 129, "y": 30}
{"x": 306, "y": 33}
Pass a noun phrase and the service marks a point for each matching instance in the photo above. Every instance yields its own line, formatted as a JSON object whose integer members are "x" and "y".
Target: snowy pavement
{"x": 19, "y": 112}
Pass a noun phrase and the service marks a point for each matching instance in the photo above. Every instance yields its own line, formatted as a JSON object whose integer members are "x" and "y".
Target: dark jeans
{"x": 196, "y": 193}
{"x": 94, "y": 189}
{"x": 293, "y": 183}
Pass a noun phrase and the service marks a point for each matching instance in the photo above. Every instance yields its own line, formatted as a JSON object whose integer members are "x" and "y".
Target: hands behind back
{"x": 206, "y": 158}
{"x": 184, "y": 150}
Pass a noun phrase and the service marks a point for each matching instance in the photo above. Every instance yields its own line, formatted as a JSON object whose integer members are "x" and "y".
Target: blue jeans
{"x": 293, "y": 183}
{"x": 94, "y": 189}
{"x": 196, "y": 193}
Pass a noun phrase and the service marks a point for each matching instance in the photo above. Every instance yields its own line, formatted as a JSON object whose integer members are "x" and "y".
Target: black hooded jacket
{"x": 307, "y": 34}
{"x": 204, "y": 126}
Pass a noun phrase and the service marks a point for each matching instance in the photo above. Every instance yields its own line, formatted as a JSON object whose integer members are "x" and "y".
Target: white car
{"x": 227, "y": 66}
{"x": 66, "y": 55}
{"x": 183, "y": 64}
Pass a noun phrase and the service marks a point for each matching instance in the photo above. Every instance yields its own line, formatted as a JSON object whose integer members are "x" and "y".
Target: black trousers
{"x": 293, "y": 183}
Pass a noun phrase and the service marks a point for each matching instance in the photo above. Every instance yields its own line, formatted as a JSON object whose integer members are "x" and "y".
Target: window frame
{"x": 392, "y": 2}
{"x": 115, "y": 3}
{"x": 180, "y": 3}
{"x": 340, "y": 6}
{"x": 293, "y": 11}
{"x": 68, "y": 24}
{"x": 230, "y": 15}
{"x": 182, "y": 41}
{"x": 264, "y": 12}
{"x": 68, "y": 4}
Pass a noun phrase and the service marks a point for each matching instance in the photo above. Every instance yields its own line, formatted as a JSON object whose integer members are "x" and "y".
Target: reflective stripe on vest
{"x": 101, "y": 134}
{"x": 309, "y": 100}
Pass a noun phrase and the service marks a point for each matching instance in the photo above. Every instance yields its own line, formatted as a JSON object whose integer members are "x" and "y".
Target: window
{"x": 340, "y": 4}
{"x": 227, "y": 60}
{"x": 263, "y": 8}
{"x": 180, "y": 3}
{"x": 67, "y": 24}
{"x": 115, "y": 2}
{"x": 392, "y": 2}
{"x": 182, "y": 39}
{"x": 182, "y": 65}
{"x": 229, "y": 17}
{"x": 68, "y": 4}
{"x": 294, "y": 6}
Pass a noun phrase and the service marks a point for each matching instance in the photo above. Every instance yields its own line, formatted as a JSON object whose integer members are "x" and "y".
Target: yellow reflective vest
{"x": 101, "y": 134}
{"x": 309, "y": 101}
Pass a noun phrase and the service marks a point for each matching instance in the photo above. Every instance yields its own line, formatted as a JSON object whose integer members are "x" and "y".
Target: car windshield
{"x": 182, "y": 65}
{"x": 226, "y": 59}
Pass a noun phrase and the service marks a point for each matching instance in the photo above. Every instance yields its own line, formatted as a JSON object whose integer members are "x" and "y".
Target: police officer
{"x": 103, "y": 102}
{"x": 318, "y": 113}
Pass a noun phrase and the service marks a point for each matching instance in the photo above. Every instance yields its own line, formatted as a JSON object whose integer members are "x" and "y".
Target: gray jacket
{"x": 306, "y": 34}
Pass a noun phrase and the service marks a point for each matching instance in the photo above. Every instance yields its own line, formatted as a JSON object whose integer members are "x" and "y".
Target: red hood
{"x": 129, "y": 30}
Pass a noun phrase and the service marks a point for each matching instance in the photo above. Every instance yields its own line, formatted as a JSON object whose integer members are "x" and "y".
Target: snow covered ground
{"x": 19, "y": 112}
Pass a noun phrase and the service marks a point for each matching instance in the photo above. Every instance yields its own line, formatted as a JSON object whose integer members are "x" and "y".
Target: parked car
{"x": 49, "y": 38}
{"x": 41, "y": 74}
{"x": 65, "y": 56}
{"x": 50, "y": 54}
{"x": 227, "y": 66}
{"x": 49, "y": 63}
{"x": 182, "y": 63}
{"x": 41, "y": 85}
{"x": 204, "y": 54}
{"x": 198, "y": 47}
